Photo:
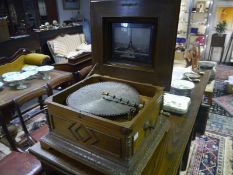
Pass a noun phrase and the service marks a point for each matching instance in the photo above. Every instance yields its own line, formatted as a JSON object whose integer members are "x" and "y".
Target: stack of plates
{"x": 182, "y": 87}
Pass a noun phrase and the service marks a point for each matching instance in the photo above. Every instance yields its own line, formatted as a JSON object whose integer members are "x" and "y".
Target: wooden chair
{"x": 217, "y": 41}
{"x": 62, "y": 82}
{"x": 18, "y": 162}
{"x": 65, "y": 81}
{"x": 21, "y": 101}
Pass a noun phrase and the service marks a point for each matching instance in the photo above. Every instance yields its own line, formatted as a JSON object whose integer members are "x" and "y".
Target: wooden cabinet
{"x": 194, "y": 20}
{"x": 24, "y": 15}
{"x": 9, "y": 47}
{"x": 4, "y": 34}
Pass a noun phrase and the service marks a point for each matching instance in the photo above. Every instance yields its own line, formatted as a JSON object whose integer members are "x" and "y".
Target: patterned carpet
{"x": 226, "y": 102}
{"x": 208, "y": 155}
{"x": 223, "y": 71}
{"x": 219, "y": 91}
{"x": 212, "y": 153}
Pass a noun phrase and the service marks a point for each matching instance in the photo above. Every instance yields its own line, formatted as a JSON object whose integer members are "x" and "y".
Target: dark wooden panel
{"x": 164, "y": 12}
{"x": 51, "y": 7}
{"x": 9, "y": 47}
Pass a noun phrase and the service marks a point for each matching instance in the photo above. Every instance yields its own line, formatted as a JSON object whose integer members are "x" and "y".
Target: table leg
{"x": 222, "y": 54}
{"x": 186, "y": 154}
{"x": 228, "y": 49}
{"x": 210, "y": 53}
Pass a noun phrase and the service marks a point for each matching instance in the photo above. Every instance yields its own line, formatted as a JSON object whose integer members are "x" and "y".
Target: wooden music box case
{"x": 111, "y": 120}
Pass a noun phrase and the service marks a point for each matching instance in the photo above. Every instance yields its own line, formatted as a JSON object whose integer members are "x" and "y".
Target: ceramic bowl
{"x": 10, "y": 74}
{"x": 10, "y": 80}
{"x": 29, "y": 68}
{"x": 45, "y": 68}
{"x": 191, "y": 75}
{"x": 31, "y": 74}
{"x": 182, "y": 87}
{"x": 17, "y": 80}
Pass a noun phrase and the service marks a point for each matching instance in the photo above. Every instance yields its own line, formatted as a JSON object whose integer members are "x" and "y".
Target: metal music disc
{"x": 92, "y": 99}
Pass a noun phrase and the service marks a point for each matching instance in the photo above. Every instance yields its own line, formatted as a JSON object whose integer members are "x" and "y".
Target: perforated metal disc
{"x": 90, "y": 99}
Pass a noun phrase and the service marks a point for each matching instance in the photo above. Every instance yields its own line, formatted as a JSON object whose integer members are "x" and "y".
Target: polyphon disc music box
{"x": 111, "y": 121}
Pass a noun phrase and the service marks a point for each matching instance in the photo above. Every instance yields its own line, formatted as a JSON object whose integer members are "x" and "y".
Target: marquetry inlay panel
{"x": 81, "y": 133}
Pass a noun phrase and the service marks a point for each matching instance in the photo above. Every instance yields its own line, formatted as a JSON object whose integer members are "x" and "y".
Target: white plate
{"x": 19, "y": 77}
{"x": 29, "y": 68}
{"x": 45, "y": 68}
{"x": 30, "y": 73}
{"x": 10, "y": 74}
{"x": 182, "y": 84}
{"x": 9, "y": 79}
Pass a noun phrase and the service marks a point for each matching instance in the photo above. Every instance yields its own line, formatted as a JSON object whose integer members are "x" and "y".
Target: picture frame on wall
{"x": 200, "y": 6}
{"x": 71, "y": 4}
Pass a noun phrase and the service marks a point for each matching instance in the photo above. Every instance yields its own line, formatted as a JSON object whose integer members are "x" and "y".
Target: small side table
{"x": 217, "y": 41}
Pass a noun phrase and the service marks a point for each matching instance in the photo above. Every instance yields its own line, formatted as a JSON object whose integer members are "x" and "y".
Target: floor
{"x": 212, "y": 153}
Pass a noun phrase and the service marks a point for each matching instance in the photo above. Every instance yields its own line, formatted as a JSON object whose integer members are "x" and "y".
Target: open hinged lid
{"x": 135, "y": 40}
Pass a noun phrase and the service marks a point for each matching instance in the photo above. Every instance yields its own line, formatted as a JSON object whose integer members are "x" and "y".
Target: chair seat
{"x": 18, "y": 163}
{"x": 37, "y": 134}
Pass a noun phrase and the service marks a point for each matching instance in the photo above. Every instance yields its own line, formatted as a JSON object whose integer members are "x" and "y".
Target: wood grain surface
{"x": 167, "y": 157}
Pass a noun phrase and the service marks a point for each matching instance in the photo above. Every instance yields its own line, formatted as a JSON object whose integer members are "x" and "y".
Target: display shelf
{"x": 199, "y": 21}
{"x": 194, "y": 22}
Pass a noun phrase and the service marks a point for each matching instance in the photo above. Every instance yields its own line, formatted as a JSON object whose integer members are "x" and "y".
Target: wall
{"x": 85, "y": 9}
{"x": 213, "y": 23}
{"x": 65, "y": 14}
{"x": 68, "y": 14}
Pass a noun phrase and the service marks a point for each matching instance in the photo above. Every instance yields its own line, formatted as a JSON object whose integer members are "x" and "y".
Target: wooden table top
{"x": 166, "y": 159}
{"x": 180, "y": 131}
{"x": 9, "y": 93}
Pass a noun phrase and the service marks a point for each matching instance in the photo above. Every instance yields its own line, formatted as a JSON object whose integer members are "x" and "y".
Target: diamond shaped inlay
{"x": 80, "y": 132}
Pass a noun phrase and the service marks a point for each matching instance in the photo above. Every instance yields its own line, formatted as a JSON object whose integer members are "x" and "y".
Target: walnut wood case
{"x": 119, "y": 147}
{"x": 119, "y": 141}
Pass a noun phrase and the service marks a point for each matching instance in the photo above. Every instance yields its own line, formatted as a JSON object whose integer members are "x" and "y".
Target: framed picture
{"x": 200, "y": 6}
{"x": 225, "y": 14}
{"x": 71, "y": 4}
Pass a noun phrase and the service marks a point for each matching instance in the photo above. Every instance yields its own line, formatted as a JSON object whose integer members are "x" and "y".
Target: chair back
{"x": 69, "y": 79}
{"x": 62, "y": 82}
{"x": 24, "y": 103}
{"x": 218, "y": 40}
